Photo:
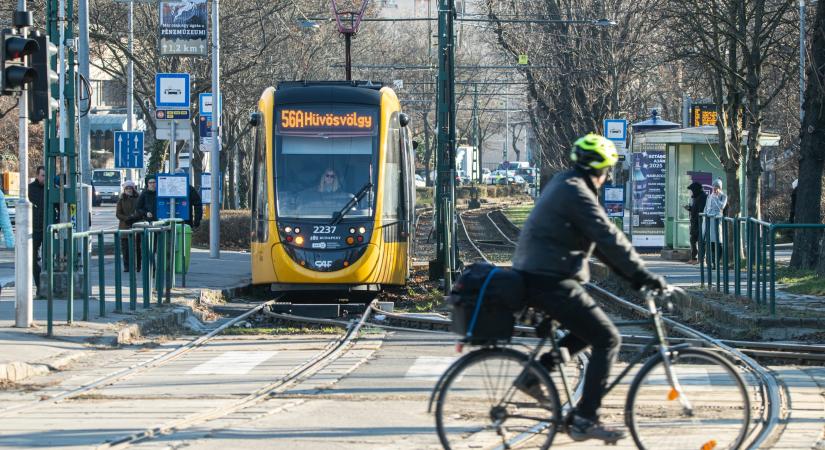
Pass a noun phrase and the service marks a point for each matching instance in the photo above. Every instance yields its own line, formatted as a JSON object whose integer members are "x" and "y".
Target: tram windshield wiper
{"x": 339, "y": 215}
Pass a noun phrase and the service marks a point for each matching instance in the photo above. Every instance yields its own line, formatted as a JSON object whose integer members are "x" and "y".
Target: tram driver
{"x": 329, "y": 182}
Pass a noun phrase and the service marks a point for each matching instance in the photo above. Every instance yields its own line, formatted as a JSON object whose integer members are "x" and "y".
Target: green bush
{"x": 235, "y": 229}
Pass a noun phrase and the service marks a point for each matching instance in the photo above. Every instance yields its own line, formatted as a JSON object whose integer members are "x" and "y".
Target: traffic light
{"x": 16, "y": 75}
{"x": 41, "y": 102}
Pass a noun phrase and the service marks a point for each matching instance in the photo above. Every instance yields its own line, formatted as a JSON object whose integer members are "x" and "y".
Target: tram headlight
{"x": 288, "y": 230}
{"x": 297, "y": 230}
{"x": 299, "y": 240}
{"x": 362, "y": 230}
{"x": 352, "y": 231}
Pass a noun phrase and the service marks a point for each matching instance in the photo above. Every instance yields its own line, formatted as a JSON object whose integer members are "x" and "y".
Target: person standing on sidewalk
{"x": 127, "y": 214}
{"x": 715, "y": 207}
{"x": 37, "y": 197}
{"x": 698, "y": 201}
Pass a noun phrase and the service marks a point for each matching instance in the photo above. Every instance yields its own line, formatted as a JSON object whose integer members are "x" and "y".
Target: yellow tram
{"x": 333, "y": 188}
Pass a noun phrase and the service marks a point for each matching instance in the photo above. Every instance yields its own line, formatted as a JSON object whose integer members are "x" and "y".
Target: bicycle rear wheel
{"x": 478, "y": 406}
{"x": 719, "y": 413}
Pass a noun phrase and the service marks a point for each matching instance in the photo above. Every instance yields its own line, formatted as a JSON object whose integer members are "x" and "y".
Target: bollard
{"x": 86, "y": 278}
{"x": 132, "y": 274}
{"x": 773, "y": 270}
{"x": 147, "y": 287}
{"x": 118, "y": 276}
{"x": 49, "y": 257}
{"x": 708, "y": 252}
{"x": 701, "y": 255}
{"x": 749, "y": 263}
{"x": 160, "y": 276}
{"x": 725, "y": 242}
{"x": 765, "y": 263}
{"x": 758, "y": 246}
{"x": 737, "y": 263}
{"x": 70, "y": 271}
{"x": 101, "y": 274}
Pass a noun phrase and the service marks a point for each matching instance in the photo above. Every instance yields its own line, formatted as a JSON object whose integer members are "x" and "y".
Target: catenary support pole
{"x": 23, "y": 218}
{"x": 215, "y": 156}
{"x": 83, "y": 205}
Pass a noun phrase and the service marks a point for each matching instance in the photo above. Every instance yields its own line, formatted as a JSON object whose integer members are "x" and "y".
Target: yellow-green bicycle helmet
{"x": 594, "y": 152}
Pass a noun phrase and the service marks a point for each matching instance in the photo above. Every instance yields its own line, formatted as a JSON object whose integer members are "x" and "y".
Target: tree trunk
{"x": 753, "y": 168}
{"x": 806, "y": 245}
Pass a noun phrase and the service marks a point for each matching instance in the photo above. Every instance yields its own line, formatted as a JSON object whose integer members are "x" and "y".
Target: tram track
{"x": 136, "y": 369}
{"x": 332, "y": 352}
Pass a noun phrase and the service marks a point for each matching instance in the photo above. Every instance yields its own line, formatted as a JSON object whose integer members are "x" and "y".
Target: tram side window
{"x": 392, "y": 171}
{"x": 260, "y": 215}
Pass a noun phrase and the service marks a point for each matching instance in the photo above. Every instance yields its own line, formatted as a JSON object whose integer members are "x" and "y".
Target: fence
{"x": 71, "y": 251}
{"x": 760, "y": 247}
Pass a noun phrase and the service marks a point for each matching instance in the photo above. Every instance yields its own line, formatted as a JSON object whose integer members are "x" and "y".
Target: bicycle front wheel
{"x": 705, "y": 404}
{"x": 478, "y": 405}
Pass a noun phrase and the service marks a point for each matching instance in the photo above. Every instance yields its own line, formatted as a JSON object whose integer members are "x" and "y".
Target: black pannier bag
{"x": 484, "y": 300}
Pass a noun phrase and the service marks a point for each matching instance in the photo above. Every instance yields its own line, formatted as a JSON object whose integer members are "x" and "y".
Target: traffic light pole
{"x": 22, "y": 258}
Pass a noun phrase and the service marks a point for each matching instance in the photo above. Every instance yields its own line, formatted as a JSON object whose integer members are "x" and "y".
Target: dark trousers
{"x": 124, "y": 245}
{"x": 694, "y": 246}
{"x": 567, "y": 302}
{"x": 37, "y": 243}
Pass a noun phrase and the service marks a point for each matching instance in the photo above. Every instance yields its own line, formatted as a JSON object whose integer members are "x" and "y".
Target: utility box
{"x": 183, "y": 247}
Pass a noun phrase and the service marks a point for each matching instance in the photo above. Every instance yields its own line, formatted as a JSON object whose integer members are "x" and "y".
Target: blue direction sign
{"x": 128, "y": 149}
{"x": 172, "y": 90}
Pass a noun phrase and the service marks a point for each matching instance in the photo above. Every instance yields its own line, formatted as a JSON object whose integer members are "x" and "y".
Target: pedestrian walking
{"x": 5, "y": 222}
{"x": 698, "y": 200}
{"x": 127, "y": 215}
{"x": 195, "y": 205}
{"x": 715, "y": 206}
{"x": 147, "y": 207}
{"x": 37, "y": 197}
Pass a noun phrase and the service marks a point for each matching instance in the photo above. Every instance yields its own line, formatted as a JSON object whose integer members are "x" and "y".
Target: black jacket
{"x": 700, "y": 199}
{"x": 195, "y": 208}
{"x": 566, "y": 227}
{"x": 147, "y": 203}
{"x": 37, "y": 197}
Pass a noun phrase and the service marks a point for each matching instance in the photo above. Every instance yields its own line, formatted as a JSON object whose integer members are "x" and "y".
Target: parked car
{"x": 420, "y": 181}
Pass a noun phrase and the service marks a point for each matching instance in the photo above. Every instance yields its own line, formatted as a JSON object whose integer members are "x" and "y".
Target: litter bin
{"x": 183, "y": 247}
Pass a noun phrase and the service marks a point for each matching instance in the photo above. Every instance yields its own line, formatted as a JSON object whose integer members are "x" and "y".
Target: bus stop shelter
{"x": 690, "y": 154}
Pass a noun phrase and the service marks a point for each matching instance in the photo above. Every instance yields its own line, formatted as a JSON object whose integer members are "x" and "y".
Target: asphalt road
{"x": 103, "y": 217}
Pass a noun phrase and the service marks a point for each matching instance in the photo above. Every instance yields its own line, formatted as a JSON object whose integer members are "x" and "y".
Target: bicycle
{"x": 681, "y": 397}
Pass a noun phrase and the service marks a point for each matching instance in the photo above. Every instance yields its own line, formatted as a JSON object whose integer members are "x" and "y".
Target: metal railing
{"x": 161, "y": 237}
{"x": 760, "y": 247}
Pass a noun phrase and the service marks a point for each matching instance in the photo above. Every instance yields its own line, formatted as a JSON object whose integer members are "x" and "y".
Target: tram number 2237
{"x": 323, "y": 229}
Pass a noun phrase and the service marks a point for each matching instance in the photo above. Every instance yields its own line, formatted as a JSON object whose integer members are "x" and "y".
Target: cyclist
{"x": 566, "y": 226}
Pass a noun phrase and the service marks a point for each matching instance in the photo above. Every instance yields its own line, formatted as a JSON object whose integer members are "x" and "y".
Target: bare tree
{"x": 807, "y": 252}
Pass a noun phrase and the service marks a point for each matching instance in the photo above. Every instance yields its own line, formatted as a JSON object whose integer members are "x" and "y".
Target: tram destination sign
{"x": 304, "y": 120}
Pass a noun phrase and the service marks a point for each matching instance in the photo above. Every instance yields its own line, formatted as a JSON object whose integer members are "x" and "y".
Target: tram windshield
{"x": 325, "y": 156}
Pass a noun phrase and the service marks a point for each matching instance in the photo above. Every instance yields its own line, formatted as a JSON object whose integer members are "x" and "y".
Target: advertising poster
{"x": 614, "y": 201}
{"x": 184, "y": 28}
{"x": 649, "y": 199}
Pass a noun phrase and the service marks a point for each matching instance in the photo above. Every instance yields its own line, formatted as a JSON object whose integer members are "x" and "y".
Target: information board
{"x": 614, "y": 201}
{"x": 648, "y": 216}
{"x": 173, "y": 185}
